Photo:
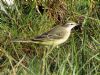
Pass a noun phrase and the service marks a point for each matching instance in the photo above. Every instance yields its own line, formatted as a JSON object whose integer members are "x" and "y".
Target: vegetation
{"x": 23, "y": 20}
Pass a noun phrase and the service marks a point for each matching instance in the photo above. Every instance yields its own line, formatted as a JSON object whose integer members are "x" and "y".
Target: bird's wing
{"x": 53, "y": 34}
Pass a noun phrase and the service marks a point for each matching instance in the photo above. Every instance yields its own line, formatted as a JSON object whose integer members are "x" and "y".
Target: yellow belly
{"x": 56, "y": 41}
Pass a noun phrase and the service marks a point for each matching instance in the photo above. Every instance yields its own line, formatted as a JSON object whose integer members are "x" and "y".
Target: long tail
{"x": 25, "y": 41}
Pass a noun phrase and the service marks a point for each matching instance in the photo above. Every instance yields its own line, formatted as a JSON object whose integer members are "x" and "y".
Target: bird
{"x": 54, "y": 37}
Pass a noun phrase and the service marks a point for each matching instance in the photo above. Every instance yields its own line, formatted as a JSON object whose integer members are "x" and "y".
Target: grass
{"x": 80, "y": 55}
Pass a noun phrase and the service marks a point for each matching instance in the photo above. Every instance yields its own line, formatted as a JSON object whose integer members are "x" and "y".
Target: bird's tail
{"x": 20, "y": 41}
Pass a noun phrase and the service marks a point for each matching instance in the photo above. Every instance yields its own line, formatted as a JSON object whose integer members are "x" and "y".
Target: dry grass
{"x": 80, "y": 55}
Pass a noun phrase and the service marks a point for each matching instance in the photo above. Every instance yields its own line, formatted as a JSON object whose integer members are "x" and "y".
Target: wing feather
{"x": 55, "y": 33}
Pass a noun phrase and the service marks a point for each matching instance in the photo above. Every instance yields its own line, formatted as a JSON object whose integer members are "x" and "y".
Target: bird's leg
{"x": 49, "y": 50}
{"x": 45, "y": 56}
{"x": 44, "y": 63}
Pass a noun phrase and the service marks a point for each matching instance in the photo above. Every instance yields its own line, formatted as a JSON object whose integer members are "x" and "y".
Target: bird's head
{"x": 70, "y": 24}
